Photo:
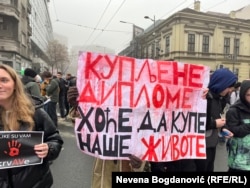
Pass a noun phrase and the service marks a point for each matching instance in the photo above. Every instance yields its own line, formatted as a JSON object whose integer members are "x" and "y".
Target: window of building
{"x": 145, "y": 52}
{"x": 10, "y": 63}
{"x": 191, "y": 42}
{"x": 236, "y": 46}
{"x": 18, "y": 66}
{"x": 167, "y": 45}
{"x": 226, "y": 45}
{"x": 13, "y": 2}
{"x": 157, "y": 49}
{"x": 152, "y": 50}
{"x": 3, "y": 27}
{"x": 147, "y": 55}
{"x": 3, "y": 24}
{"x": 205, "y": 44}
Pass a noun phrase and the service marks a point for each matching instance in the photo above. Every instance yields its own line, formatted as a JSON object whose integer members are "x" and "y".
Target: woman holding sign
{"x": 25, "y": 153}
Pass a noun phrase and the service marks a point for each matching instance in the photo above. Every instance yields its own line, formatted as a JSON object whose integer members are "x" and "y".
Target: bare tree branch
{"x": 58, "y": 55}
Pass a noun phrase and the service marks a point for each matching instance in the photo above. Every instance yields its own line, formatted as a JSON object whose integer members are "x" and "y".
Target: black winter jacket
{"x": 215, "y": 107}
{"x": 35, "y": 176}
{"x": 238, "y": 115}
{"x": 238, "y": 122}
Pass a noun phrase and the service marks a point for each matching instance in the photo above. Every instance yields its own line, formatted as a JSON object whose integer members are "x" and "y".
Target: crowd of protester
{"x": 224, "y": 95}
{"x": 222, "y": 84}
{"x": 51, "y": 89}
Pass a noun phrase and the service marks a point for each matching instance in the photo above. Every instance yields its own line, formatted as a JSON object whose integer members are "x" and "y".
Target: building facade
{"x": 213, "y": 39}
{"x": 42, "y": 33}
{"x": 25, "y": 30}
{"x": 15, "y": 32}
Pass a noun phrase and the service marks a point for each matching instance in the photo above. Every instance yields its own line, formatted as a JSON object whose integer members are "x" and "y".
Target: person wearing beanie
{"x": 220, "y": 80}
{"x": 238, "y": 118}
{"x": 221, "y": 84}
{"x": 30, "y": 83}
{"x": 31, "y": 73}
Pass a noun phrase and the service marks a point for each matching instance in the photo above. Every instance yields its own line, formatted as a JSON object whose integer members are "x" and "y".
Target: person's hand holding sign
{"x": 41, "y": 150}
{"x": 204, "y": 93}
{"x": 135, "y": 161}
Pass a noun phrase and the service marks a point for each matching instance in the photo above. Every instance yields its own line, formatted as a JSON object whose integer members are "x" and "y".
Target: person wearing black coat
{"x": 220, "y": 86}
{"x": 19, "y": 113}
{"x": 238, "y": 122}
{"x": 70, "y": 82}
{"x": 62, "y": 92}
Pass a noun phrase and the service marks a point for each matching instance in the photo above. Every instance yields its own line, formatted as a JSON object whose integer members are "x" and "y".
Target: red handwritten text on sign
{"x": 152, "y": 109}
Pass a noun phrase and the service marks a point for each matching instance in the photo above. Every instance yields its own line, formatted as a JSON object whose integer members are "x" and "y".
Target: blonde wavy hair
{"x": 23, "y": 109}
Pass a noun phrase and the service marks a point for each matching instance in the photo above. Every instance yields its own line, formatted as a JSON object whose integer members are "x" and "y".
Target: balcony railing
{"x": 9, "y": 10}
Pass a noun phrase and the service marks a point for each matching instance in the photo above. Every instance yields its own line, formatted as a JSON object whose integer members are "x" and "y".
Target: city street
{"x": 74, "y": 169}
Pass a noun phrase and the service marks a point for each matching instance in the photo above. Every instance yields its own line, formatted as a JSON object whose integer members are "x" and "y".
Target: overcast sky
{"x": 97, "y": 22}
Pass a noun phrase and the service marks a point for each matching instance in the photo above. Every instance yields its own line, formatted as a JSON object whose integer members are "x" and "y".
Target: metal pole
{"x": 154, "y": 33}
{"x": 154, "y": 39}
{"x": 133, "y": 42}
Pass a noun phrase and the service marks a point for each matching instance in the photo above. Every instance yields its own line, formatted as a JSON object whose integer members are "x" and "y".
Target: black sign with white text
{"x": 17, "y": 148}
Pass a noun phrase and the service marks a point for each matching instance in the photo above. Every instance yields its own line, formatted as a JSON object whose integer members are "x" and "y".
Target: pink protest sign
{"x": 149, "y": 108}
